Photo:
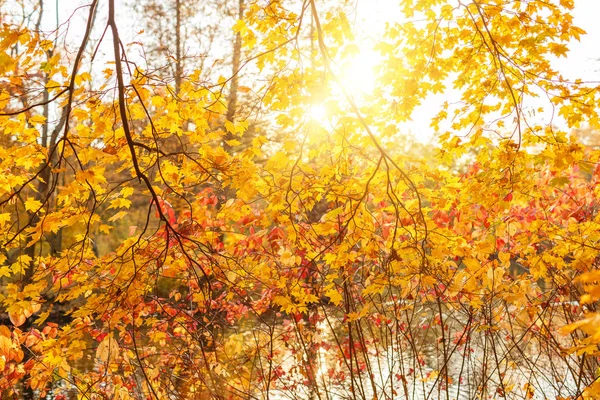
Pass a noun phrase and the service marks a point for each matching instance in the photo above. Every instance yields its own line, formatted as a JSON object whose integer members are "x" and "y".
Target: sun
{"x": 358, "y": 72}
{"x": 355, "y": 76}
{"x": 318, "y": 112}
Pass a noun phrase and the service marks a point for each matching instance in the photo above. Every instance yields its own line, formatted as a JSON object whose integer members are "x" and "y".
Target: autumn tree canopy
{"x": 226, "y": 202}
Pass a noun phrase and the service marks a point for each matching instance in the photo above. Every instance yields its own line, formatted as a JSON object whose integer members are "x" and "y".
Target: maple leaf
{"x": 559, "y": 49}
{"x": 32, "y": 204}
{"x": 269, "y": 204}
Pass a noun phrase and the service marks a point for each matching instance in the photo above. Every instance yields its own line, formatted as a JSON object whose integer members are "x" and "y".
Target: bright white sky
{"x": 583, "y": 61}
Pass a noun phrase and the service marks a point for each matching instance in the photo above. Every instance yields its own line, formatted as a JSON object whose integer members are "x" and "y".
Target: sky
{"x": 583, "y": 60}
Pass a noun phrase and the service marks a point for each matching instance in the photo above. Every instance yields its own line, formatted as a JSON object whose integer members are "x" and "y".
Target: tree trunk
{"x": 235, "y": 69}
{"x": 178, "y": 64}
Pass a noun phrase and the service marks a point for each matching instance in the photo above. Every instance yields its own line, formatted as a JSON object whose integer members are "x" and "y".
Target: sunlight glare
{"x": 318, "y": 112}
{"x": 358, "y": 72}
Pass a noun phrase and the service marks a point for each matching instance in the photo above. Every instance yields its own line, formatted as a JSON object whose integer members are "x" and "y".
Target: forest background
{"x": 299, "y": 199}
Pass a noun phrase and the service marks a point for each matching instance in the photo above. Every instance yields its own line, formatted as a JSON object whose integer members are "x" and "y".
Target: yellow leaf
{"x": 17, "y": 318}
{"x": 32, "y": 205}
{"x": 42, "y": 317}
{"x": 119, "y": 203}
{"x": 105, "y": 228}
{"x": 117, "y": 216}
{"x": 229, "y": 126}
{"x": 4, "y": 217}
{"x": 126, "y": 191}
{"x": 233, "y": 143}
{"x": 107, "y": 350}
{"x": 157, "y": 101}
{"x": 559, "y": 50}
{"x": 472, "y": 264}
{"x": 46, "y": 44}
{"x": 5, "y": 331}
{"x": 52, "y": 84}
{"x": 240, "y": 26}
{"x": 5, "y": 345}
{"x": 504, "y": 258}
{"x": 6, "y": 62}
{"x": 334, "y": 296}
{"x": 37, "y": 119}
